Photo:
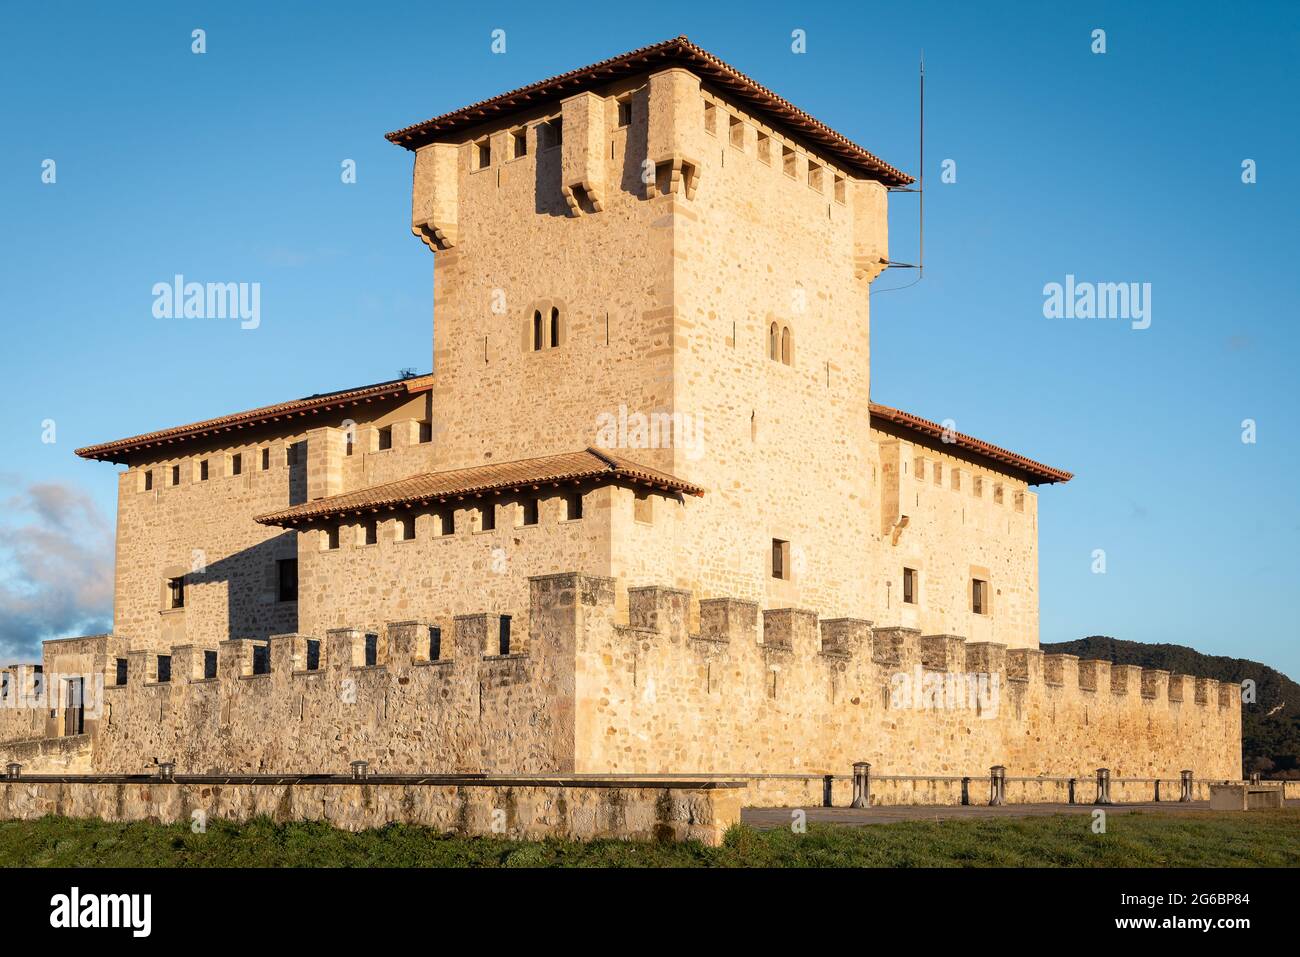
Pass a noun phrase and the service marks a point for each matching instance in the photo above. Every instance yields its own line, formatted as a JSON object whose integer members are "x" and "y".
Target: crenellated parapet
{"x": 717, "y": 686}
{"x": 761, "y": 690}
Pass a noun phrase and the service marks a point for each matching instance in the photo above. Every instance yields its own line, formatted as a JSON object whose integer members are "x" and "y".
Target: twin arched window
{"x": 541, "y": 327}
{"x": 780, "y": 344}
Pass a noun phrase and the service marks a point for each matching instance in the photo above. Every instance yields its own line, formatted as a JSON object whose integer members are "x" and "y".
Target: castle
{"x": 643, "y": 517}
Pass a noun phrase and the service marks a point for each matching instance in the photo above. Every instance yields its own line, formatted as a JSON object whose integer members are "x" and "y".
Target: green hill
{"x": 1270, "y": 728}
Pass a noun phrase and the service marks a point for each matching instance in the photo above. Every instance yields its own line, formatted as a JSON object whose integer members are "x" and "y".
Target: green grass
{"x": 1188, "y": 839}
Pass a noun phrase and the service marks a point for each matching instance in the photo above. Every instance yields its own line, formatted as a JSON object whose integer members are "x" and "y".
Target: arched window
{"x": 537, "y": 330}
{"x": 555, "y": 327}
{"x": 772, "y": 342}
{"x": 787, "y": 345}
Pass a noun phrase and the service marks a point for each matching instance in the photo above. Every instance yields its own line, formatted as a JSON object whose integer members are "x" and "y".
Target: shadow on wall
{"x": 636, "y": 147}
{"x": 549, "y": 198}
{"x": 254, "y": 605}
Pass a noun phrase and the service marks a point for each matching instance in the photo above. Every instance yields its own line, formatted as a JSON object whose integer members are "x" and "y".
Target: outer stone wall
{"x": 582, "y": 692}
{"x": 577, "y": 810}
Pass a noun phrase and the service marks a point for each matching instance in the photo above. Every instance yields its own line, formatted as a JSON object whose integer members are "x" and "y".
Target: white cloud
{"x": 56, "y": 568}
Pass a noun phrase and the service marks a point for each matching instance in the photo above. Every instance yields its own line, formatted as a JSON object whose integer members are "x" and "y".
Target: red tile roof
{"x": 456, "y": 484}
{"x": 1035, "y": 473}
{"x": 678, "y": 51}
{"x": 120, "y": 449}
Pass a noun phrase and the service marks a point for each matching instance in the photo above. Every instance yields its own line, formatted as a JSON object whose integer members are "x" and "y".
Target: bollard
{"x": 965, "y": 792}
{"x": 1073, "y": 783}
{"x": 827, "y": 781}
{"x": 861, "y": 784}
{"x": 1186, "y": 794}
{"x": 360, "y": 770}
{"x": 1103, "y": 786}
{"x": 12, "y": 770}
{"x": 997, "y": 785}
{"x": 166, "y": 770}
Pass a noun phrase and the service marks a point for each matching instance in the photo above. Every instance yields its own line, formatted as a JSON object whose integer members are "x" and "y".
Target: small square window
{"x": 148, "y": 480}
{"x": 164, "y": 668}
{"x": 426, "y": 432}
{"x": 788, "y": 161}
{"x": 643, "y": 508}
{"x": 505, "y": 634}
{"x": 483, "y": 152}
{"x": 487, "y": 517}
{"x": 405, "y": 527}
{"x": 372, "y": 649}
{"x": 997, "y": 493}
{"x": 1020, "y": 501}
{"x": 710, "y": 118}
{"x": 237, "y": 464}
{"x": 261, "y": 659}
{"x": 550, "y": 134}
{"x": 447, "y": 522}
{"x": 977, "y": 486}
{"x": 979, "y": 598}
{"x": 176, "y": 475}
{"x": 291, "y": 455}
{"x": 909, "y": 586}
{"x": 938, "y": 473}
{"x": 121, "y": 671}
{"x": 313, "y": 654}
{"x": 529, "y": 515}
{"x": 332, "y": 537}
{"x": 573, "y": 506}
{"x": 372, "y": 532}
{"x": 349, "y": 441}
{"x": 518, "y": 143}
{"x": 176, "y": 592}
{"x": 839, "y": 190}
{"x": 736, "y": 132}
{"x": 209, "y": 664}
{"x": 435, "y": 643}
{"x": 780, "y": 559}
{"x": 266, "y": 459}
{"x": 203, "y": 470}
{"x": 625, "y": 111}
{"x": 385, "y": 438}
{"x": 764, "y": 148}
{"x": 815, "y": 176}
{"x": 286, "y": 572}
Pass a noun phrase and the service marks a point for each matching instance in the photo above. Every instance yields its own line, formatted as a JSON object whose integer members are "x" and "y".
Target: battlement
{"x": 664, "y": 613}
{"x": 572, "y": 688}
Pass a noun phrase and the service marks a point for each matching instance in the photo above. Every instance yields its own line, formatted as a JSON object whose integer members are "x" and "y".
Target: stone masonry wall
{"x": 757, "y": 693}
{"x": 204, "y": 529}
{"x": 472, "y": 710}
{"x": 532, "y": 811}
{"x": 782, "y": 691}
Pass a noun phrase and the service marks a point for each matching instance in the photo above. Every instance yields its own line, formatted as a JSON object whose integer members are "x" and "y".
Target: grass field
{"x": 1266, "y": 838}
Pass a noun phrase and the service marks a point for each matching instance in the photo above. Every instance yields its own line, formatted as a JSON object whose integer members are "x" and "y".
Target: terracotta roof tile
{"x": 454, "y": 484}
{"x": 677, "y": 51}
{"x": 1036, "y": 473}
{"x": 119, "y": 449}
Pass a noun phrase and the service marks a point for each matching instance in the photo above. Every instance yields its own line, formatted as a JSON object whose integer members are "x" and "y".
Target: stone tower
{"x": 657, "y": 253}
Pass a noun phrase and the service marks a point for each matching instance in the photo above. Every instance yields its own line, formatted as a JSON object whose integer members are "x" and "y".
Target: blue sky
{"x": 1115, "y": 167}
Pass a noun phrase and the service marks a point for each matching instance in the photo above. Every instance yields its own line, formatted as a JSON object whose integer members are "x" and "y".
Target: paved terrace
{"x": 770, "y": 817}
